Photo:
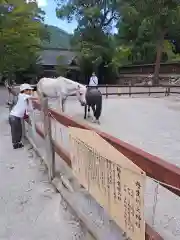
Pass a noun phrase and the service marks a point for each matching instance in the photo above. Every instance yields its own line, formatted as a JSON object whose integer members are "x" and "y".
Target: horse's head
{"x": 80, "y": 93}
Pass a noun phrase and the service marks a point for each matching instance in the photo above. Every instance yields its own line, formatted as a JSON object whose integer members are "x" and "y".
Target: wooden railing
{"x": 116, "y": 89}
{"x": 167, "y": 174}
{"x": 120, "y": 90}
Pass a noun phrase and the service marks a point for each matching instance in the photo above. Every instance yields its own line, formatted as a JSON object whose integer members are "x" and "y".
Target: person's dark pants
{"x": 16, "y": 129}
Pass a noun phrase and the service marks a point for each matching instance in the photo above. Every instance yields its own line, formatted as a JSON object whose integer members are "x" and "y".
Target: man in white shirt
{"x": 93, "y": 80}
{"x": 18, "y": 112}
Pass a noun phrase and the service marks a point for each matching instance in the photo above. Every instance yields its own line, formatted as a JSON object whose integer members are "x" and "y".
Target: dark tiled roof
{"x": 51, "y": 57}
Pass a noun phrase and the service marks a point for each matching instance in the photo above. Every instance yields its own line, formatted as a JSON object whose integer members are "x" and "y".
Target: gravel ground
{"x": 151, "y": 124}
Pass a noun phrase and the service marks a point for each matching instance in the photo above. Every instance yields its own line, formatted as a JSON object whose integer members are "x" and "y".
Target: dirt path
{"x": 30, "y": 208}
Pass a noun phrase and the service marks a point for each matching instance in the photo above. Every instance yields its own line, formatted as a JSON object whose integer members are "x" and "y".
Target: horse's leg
{"x": 93, "y": 109}
{"x": 85, "y": 111}
{"x": 59, "y": 101}
{"x": 98, "y": 109}
{"x": 88, "y": 111}
{"x": 63, "y": 105}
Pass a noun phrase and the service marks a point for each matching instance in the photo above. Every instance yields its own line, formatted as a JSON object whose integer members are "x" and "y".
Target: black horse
{"x": 93, "y": 100}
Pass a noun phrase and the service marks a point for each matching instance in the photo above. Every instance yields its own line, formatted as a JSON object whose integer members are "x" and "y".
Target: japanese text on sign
{"x": 112, "y": 179}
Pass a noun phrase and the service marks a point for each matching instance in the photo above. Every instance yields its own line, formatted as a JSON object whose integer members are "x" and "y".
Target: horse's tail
{"x": 99, "y": 106}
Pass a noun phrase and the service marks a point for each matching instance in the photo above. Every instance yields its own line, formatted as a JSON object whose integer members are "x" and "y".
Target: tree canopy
{"x": 146, "y": 31}
{"x": 21, "y": 31}
{"x": 92, "y": 37}
{"x": 109, "y": 34}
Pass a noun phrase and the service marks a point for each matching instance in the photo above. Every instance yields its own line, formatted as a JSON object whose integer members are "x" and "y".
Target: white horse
{"x": 61, "y": 88}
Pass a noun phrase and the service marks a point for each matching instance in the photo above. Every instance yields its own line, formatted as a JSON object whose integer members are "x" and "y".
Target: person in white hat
{"x": 18, "y": 112}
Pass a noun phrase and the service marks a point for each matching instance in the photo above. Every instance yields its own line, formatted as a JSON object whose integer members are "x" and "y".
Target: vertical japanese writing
{"x": 114, "y": 181}
{"x": 118, "y": 184}
{"x": 97, "y": 161}
{"x": 130, "y": 211}
{"x": 138, "y": 205}
{"x": 108, "y": 165}
{"x": 95, "y": 168}
{"x": 102, "y": 175}
{"x": 125, "y": 212}
{"x": 129, "y": 208}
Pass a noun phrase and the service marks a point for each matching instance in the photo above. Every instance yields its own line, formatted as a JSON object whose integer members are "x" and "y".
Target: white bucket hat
{"x": 25, "y": 86}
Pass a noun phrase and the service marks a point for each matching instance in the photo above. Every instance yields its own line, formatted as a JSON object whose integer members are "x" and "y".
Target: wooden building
{"x": 52, "y": 58}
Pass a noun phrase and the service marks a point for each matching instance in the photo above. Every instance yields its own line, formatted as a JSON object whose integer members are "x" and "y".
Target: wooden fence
{"x": 167, "y": 174}
{"x": 119, "y": 90}
{"x": 124, "y": 90}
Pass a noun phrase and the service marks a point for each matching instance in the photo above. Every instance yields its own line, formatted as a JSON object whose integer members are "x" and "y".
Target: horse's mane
{"x": 69, "y": 81}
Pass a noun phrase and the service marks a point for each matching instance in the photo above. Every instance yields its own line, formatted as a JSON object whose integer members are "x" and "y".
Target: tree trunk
{"x": 158, "y": 58}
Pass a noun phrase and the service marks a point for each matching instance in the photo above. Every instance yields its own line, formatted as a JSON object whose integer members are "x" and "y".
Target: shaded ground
{"x": 30, "y": 208}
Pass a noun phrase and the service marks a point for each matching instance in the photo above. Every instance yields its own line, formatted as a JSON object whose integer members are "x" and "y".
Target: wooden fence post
{"x": 106, "y": 91}
{"x": 169, "y": 91}
{"x": 50, "y": 153}
{"x": 129, "y": 90}
{"x": 33, "y": 124}
{"x": 119, "y": 91}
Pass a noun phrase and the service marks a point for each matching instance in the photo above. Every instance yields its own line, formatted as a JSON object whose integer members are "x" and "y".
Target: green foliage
{"x": 96, "y": 14}
{"x": 93, "y": 36}
{"x": 120, "y": 57}
{"x": 57, "y": 38}
{"x": 21, "y": 33}
{"x": 145, "y": 24}
{"x": 143, "y": 27}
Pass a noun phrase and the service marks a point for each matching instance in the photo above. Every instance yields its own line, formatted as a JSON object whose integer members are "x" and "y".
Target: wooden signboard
{"x": 112, "y": 179}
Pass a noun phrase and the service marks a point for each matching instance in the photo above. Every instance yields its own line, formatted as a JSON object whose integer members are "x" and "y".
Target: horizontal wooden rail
{"x": 126, "y": 86}
{"x": 139, "y": 86}
{"x": 130, "y": 90}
